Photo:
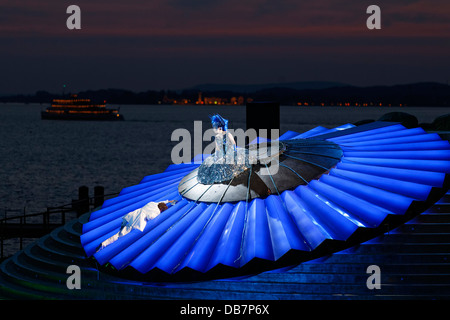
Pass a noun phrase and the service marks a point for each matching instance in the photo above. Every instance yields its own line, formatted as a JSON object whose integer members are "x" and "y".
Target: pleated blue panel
{"x": 411, "y": 145}
{"x": 393, "y": 141}
{"x": 413, "y": 164}
{"x": 310, "y": 133}
{"x": 386, "y": 173}
{"x": 182, "y": 239}
{"x": 321, "y": 130}
{"x": 411, "y": 155}
{"x": 227, "y": 251}
{"x": 388, "y": 200}
{"x": 199, "y": 256}
{"x": 157, "y": 228}
{"x": 256, "y": 242}
{"x": 361, "y": 210}
{"x": 134, "y": 201}
{"x": 337, "y": 224}
{"x": 158, "y": 176}
{"x": 147, "y": 186}
{"x": 313, "y": 234}
{"x": 127, "y": 242}
{"x": 288, "y": 135}
{"x": 165, "y": 241}
{"x": 409, "y": 189}
{"x": 373, "y": 131}
{"x": 434, "y": 179}
{"x": 285, "y": 234}
{"x": 118, "y": 210}
{"x": 379, "y": 136}
{"x": 387, "y": 129}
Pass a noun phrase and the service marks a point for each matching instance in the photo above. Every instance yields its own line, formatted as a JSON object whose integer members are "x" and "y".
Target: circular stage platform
{"x": 414, "y": 261}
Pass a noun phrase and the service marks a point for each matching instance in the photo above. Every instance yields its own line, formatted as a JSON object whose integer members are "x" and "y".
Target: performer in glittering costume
{"x": 228, "y": 160}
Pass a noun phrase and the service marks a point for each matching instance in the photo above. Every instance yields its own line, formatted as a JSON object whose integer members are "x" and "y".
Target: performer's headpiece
{"x": 217, "y": 121}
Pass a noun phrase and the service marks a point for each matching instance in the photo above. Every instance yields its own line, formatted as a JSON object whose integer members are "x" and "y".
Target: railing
{"x": 23, "y": 229}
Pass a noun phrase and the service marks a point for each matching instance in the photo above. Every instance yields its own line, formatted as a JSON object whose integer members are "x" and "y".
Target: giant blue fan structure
{"x": 334, "y": 188}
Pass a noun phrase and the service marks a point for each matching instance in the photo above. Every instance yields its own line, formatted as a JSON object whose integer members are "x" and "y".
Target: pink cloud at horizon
{"x": 229, "y": 18}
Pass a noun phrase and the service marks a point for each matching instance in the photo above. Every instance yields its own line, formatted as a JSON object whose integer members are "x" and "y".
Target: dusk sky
{"x": 173, "y": 44}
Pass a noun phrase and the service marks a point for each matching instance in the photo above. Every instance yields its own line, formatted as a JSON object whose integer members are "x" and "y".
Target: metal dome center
{"x": 273, "y": 169}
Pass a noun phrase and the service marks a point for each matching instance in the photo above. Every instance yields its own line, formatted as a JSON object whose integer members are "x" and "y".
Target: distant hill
{"x": 292, "y": 93}
{"x": 250, "y": 88}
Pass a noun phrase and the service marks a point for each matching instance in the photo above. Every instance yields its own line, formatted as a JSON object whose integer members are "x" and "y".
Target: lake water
{"x": 44, "y": 162}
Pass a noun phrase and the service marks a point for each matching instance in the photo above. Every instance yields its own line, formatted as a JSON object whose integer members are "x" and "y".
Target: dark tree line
{"x": 418, "y": 94}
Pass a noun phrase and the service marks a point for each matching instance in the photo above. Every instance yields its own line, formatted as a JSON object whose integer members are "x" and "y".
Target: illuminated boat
{"x": 79, "y": 109}
{"x": 334, "y": 188}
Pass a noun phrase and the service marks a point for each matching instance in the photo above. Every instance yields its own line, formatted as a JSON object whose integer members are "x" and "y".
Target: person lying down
{"x": 137, "y": 219}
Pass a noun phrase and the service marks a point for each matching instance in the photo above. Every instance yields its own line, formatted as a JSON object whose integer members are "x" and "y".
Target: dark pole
{"x": 83, "y": 200}
{"x": 263, "y": 115}
{"x": 99, "y": 196}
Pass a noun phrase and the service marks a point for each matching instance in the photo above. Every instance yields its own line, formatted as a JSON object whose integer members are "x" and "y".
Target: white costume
{"x": 136, "y": 219}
